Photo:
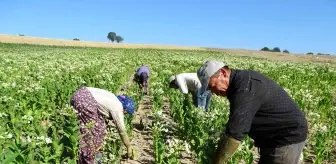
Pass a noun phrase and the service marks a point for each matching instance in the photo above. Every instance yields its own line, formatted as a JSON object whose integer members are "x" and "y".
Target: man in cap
{"x": 142, "y": 76}
{"x": 260, "y": 108}
{"x": 189, "y": 82}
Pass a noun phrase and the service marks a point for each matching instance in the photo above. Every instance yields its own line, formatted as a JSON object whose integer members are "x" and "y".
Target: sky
{"x": 300, "y": 26}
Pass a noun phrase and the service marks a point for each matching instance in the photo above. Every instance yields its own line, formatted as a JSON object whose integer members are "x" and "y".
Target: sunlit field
{"x": 38, "y": 125}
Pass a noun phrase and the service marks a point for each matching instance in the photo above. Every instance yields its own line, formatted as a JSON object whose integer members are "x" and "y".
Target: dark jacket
{"x": 262, "y": 109}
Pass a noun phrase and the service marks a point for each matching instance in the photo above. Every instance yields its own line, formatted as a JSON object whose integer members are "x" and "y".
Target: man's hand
{"x": 227, "y": 146}
{"x": 130, "y": 153}
{"x": 127, "y": 143}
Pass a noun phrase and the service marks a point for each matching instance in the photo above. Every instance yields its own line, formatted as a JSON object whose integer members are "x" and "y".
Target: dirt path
{"x": 142, "y": 140}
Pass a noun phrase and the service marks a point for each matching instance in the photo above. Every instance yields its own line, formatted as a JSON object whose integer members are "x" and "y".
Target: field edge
{"x": 278, "y": 56}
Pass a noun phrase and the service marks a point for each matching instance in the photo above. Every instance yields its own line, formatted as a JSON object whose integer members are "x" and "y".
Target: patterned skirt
{"x": 92, "y": 125}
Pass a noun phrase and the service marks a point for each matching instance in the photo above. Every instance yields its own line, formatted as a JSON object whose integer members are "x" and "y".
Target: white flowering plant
{"x": 38, "y": 124}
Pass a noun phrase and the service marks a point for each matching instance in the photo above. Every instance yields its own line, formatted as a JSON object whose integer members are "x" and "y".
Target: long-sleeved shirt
{"x": 142, "y": 69}
{"x": 262, "y": 109}
{"x": 110, "y": 106}
{"x": 188, "y": 82}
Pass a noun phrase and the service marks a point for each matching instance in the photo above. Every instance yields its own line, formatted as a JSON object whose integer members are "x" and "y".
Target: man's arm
{"x": 182, "y": 84}
{"x": 243, "y": 107}
{"x": 118, "y": 118}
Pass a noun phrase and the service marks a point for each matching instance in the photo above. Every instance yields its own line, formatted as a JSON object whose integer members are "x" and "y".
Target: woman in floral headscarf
{"x": 93, "y": 106}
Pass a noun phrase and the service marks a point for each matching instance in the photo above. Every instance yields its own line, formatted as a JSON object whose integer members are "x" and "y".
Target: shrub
{"x": 276, "y": 49}
{"x": 265, "y": 49}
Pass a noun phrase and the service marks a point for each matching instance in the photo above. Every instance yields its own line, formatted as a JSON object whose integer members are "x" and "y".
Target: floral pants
{"x": 92, "y": 125}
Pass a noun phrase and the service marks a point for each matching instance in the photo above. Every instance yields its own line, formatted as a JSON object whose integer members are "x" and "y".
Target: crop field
{"x": 38, "y": 125}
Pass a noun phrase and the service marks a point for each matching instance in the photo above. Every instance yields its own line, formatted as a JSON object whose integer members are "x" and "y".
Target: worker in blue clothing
{"x": 142, "y": 77}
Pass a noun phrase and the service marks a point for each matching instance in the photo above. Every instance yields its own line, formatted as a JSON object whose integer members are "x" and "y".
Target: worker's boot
{"x": 226, "y": 148}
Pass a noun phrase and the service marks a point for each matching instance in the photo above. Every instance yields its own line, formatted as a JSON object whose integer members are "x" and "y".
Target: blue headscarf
{"x": 127, "y": 103}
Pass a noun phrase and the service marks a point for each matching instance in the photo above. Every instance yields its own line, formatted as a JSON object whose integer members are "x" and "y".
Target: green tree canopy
{"x": 265, "y": 49}
{"x": 111, "y": 36}
{"x": 276, "y": 49}
{"x": 119, "y": 39}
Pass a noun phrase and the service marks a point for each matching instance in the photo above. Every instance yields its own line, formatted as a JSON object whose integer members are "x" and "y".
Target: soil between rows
{"x": 142, "y": 139}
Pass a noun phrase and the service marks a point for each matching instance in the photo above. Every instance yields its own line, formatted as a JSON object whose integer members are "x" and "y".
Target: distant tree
{"x": 285, "y": 51}
{"x": 119, "y": 39}
{"x": 265, "y": 49}
{"x": 76, "y": 39}
{"x": 111, "y": 36}
{"x": 21, "y": 35}
{"x": 276, "y": 49}
{"x": 310, "y": 53}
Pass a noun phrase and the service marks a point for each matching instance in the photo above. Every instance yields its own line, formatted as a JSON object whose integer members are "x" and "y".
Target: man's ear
{"x": 224, "y": 71}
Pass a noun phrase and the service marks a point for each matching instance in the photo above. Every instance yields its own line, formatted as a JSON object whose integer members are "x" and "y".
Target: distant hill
{"x": 4, "y": 38}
